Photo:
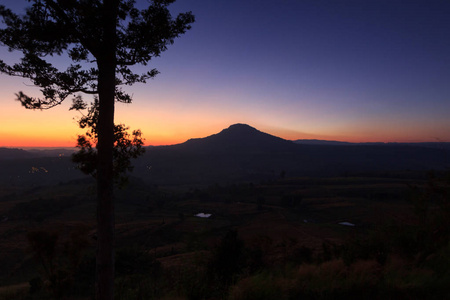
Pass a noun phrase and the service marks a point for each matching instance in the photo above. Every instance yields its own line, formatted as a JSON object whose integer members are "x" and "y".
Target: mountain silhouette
{"x": 241, "y": 152}
{"x": 238, "y": 138}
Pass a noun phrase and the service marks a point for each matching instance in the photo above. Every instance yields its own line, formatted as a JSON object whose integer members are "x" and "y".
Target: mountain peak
{"x": 240, "y": 137}
{"x": 240, "y": 128}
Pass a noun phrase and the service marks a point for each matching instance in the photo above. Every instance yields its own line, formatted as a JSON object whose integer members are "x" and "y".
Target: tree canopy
{"x": 126, "y": 145}
{"x": 71, "y": 27}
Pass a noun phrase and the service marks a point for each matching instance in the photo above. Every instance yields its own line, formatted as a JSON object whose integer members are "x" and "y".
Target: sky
{"x": 347, "y": 70}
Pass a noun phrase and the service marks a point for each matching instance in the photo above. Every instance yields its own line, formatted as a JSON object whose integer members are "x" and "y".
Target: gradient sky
{"x": 359, "y": 71}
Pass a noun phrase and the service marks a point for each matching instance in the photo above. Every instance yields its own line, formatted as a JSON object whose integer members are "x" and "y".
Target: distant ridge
{"x": 14, "y": 153}
{"x": 321, "y": 142}
{"x": 436, "y": 145}
{"x": 17, "y": 153}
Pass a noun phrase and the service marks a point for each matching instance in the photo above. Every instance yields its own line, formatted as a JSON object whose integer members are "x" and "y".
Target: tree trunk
{"x": 105, "y": 176}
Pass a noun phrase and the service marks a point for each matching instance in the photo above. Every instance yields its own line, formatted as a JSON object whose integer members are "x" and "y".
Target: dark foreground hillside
{"x": 291, "y": 238}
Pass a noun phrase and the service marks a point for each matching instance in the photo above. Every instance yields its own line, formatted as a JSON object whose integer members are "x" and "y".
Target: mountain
{"x": 237, "y": 153}
{"x": 241, "y": 152}
{"x": 237, "y": 138}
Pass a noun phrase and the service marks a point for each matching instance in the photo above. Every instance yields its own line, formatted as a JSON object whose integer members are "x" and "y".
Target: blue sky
{"x": 367, "y": 70}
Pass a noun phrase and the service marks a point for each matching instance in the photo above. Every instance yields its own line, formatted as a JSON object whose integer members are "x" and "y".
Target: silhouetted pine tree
{"x": 103, "y": 39}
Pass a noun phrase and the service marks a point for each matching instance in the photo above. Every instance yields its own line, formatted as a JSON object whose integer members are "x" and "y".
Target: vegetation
{"x": 248, "y": 249}
{"x": 103, "y": 40}
{"x": 126, "y": 146}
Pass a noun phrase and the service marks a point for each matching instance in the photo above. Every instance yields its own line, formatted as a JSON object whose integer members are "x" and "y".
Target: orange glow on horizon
{"x": 36, "y": 141}
{"x": 69, "y": 140}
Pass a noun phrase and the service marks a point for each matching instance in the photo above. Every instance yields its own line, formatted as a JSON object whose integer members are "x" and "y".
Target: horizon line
{"x": 162, "y": 145}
